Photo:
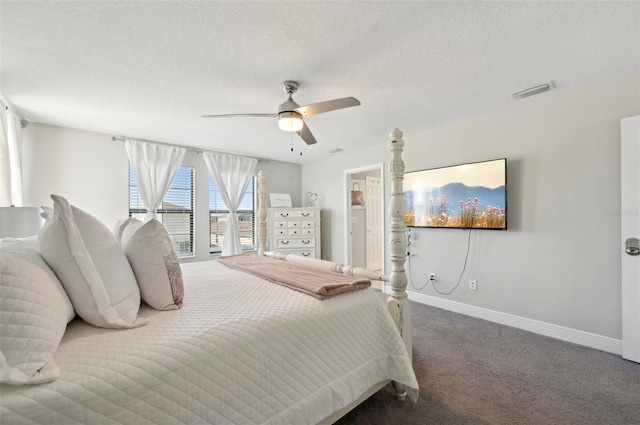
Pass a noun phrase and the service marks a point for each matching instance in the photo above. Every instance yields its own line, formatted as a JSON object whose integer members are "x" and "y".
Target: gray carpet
{"x": 472, "y": 371}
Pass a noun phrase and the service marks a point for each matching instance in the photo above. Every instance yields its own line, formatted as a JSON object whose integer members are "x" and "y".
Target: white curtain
{"x": 232, "y": 175}
{"x": 155, "y": 166}
{"x": 10, "y": 159}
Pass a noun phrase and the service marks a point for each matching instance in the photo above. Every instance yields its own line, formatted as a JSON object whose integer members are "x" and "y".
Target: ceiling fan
{"x": 290, "y": 114}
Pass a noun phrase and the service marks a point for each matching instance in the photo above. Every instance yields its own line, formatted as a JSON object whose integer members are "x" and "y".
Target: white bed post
{"x": 398, "y": 303}
{"x": 262, "y": 212}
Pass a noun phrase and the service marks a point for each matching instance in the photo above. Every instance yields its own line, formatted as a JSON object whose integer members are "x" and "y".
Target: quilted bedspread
{"x": 241, "y": 350}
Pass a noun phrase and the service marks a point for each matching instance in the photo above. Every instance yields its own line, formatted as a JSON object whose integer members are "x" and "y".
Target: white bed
{"x": 241, "y": 350}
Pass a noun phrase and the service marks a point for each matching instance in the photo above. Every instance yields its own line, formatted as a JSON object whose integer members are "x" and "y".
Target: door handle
{"x": 632, "y": 246}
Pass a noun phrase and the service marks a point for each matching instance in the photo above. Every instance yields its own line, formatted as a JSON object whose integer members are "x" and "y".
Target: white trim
{"x": 588, "y": 339}
{"x": 347, "y": 208}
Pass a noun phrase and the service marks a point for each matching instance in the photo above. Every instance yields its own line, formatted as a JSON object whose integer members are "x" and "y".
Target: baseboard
{"x": 599, "y": 342}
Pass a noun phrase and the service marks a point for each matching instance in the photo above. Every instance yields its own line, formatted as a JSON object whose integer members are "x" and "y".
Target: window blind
{"x": 176, "y": 211}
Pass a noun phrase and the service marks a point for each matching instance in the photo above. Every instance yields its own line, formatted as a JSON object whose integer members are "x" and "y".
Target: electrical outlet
{"x": 473, "y": 284}
{"x": 432, "y": 277}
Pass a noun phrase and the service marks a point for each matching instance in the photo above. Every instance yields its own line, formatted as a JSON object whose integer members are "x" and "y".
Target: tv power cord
{"x": 431, "y": 280}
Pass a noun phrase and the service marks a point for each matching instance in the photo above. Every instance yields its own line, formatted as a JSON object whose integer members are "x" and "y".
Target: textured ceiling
{"x": 149, "y": 70}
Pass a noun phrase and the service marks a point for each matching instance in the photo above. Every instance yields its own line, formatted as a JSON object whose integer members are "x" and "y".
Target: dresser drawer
{"x": 304, "y": 253}
{"x": 294, "y": 215}
{"x": 284, "y": 243}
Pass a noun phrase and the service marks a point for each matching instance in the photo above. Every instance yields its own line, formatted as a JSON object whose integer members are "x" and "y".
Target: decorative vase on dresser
{"x": 294, "y": 230}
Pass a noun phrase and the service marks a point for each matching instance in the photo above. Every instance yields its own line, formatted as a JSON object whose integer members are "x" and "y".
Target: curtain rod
{"x": 189, "y": 148}
{"x": 5, "y": 106}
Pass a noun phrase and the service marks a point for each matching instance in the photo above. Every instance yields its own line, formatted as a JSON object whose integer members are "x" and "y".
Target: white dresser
{"x": 294, "y": 230}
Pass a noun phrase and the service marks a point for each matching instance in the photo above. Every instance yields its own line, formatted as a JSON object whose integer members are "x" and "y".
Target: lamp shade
{"x": 20, "y": 222}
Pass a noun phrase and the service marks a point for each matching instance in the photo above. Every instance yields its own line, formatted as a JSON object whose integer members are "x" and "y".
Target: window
{"x": 176, "y": 211}
{"x": 218, "y": 215}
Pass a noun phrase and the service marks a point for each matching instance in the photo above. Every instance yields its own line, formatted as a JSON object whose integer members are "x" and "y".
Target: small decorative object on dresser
{"x": 311, "y": 199}
{"x": 280, "y": 200}
{"x": 294, "y": 230}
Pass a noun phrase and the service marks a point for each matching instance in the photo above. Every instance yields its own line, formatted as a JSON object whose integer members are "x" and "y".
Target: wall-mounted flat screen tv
{"x": 465, "y": 196}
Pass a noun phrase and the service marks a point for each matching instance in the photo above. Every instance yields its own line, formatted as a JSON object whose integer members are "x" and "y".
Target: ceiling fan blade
{"x": 306, "y": 135}
{"x": 240, "y": 115}
{"x": 329, "y": 105}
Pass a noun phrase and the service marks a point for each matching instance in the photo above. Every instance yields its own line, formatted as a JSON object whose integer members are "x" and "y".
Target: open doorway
{"x": 364, "y": 210}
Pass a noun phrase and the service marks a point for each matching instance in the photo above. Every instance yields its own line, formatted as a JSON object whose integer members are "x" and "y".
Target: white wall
{"x": 91, "y": 171}
{"x": 87, "y": 168}
{"x": 559, "y": 262}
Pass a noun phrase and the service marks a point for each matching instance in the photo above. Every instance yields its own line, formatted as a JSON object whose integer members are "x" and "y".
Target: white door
{"x": 373, "y": 202}
{"x": 630, "y": 212}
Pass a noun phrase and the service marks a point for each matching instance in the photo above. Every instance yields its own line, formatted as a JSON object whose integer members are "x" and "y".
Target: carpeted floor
{"x": 472, "y": 371}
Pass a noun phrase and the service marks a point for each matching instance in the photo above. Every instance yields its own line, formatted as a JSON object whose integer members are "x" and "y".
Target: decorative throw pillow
{"x": 34, "y": 311}
{"x": 90, "y": 263}
{"x": 150, "y": 252}
{"x": 121, "y": 225}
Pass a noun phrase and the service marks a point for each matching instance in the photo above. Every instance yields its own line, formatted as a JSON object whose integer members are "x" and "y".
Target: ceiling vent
{"x": 531, "y": 91}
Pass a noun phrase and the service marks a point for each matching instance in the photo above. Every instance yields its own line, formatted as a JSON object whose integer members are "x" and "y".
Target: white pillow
{"x": 150, "y": 252}
{"x": 34, "y": 311}
{"x": 90, "y": 263}
{"x": 47, "y": 212}
{"x": 27, "y": 248}
{"x": 121, "y": 225}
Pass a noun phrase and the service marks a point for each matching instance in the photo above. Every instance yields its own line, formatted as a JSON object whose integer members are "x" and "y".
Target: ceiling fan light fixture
{"x": 290, "y": 121}
{"x": 290, "y": 113}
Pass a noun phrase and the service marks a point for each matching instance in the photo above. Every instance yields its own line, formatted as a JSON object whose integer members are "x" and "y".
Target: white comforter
{"x": 241, "y": 350}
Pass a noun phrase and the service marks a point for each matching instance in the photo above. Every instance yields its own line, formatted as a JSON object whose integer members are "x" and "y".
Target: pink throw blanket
{"x": 321, "y": 284}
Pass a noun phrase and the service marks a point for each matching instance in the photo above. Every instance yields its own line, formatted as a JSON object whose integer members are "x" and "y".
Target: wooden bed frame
{"x": 397, "y": 301}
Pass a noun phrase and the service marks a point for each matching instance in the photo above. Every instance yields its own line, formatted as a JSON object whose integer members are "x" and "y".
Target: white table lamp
{"x": 20, "y": 222}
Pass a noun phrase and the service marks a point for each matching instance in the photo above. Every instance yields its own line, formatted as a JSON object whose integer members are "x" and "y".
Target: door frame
{"x": 347, "y": 209}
